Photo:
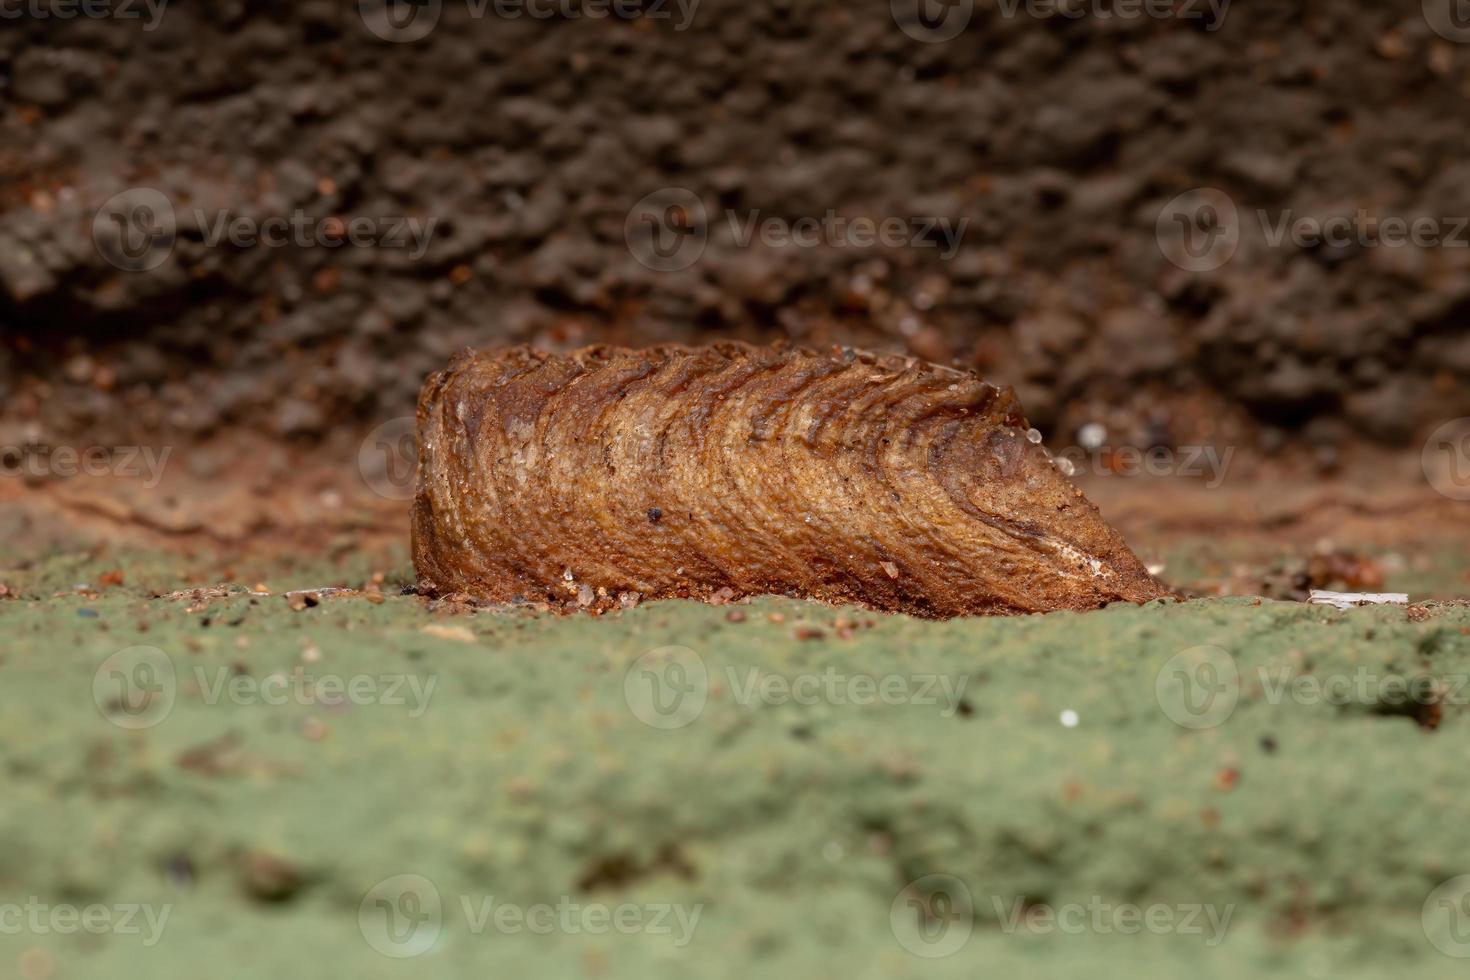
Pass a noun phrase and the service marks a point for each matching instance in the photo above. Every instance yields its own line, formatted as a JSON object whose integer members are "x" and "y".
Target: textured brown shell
{"x": 734, "y": 470}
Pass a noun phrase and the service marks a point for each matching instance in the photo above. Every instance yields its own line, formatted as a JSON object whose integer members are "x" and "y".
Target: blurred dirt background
{"x": 529, "y": 141}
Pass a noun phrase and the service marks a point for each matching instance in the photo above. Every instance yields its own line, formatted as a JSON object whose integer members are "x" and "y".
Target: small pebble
{"x": 268, "y": 878}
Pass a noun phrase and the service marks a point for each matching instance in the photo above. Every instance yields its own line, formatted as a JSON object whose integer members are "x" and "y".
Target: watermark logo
{"x": 932, "y": 21}
{"x": 667, "y": 231}
{"x": 933, "y": 916}
{"x": 38, "y": 918}
{"x": 401, "y": 21}
{"x": 667, "y": 688}
{"x": 135, "y": 688}
{"x": 1446, "y": 459}
{"x": 135, "y": 230}
{"x": 1450, "y": 19}
{"x": 1199, "y": 230}
{"x": 402, "y": 916}
{"x": 153, "y": 10}
{"x": 387, "y": 460}
{"x": 1446, "y": 917}
{"x": 1198, "y": 688}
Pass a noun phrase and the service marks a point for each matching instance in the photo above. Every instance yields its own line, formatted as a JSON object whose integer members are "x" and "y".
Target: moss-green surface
{"x": 1057, "y": 778}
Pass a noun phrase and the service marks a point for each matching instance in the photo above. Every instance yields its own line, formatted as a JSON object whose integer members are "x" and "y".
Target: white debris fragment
{"x": 1092, "y": 436}
{"x": 1347, "y": 600}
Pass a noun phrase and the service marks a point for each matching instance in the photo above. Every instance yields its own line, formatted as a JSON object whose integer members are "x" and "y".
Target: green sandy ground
{"x": 1057, "y": 776}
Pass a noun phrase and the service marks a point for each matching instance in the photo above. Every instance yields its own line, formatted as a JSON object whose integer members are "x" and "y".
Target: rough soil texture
{"x": 531, "y": 140}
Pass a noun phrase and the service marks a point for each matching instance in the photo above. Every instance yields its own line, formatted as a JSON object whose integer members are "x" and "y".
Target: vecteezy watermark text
{"x": 934, "y": 21}
{"x": 406, "y": 21}
{"x": 1200, "y": 687}
{"x": 837, "y": 231}
{"x": 310, "y": 688}
{"x": 835, "y": 687}
{"x": 137, "y": 687}
{"x": 137, "y": 230}
{"x": 669, "y": 687}
{"x": 669, "y": 230}
{"x": 41, "y": 460}
{"x": 1211, "y": 13}
{"x": 39, "y": 918}
{"x": 933, "y": 917}
{"x": 403, "y": 916}
{"x": 304, "y": 231}
{"x": 153, "y": 10}
{"x": 1209, "y": 462}
{"x": 1102, "y": 917}
{"x": 1201, "y": 230}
